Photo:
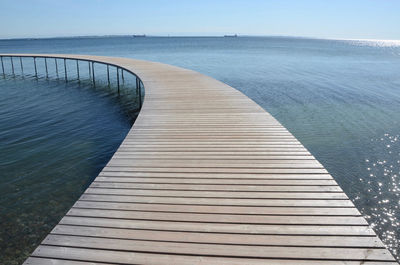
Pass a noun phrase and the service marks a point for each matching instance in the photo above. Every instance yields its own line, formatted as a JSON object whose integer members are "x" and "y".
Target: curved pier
{"x": 206, "y": 176}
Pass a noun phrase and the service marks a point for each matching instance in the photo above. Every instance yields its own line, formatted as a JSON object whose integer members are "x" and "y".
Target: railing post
{"x": 122, "y": 74}
{"x": 34, "y": 62}
{"x": 2, "y": 65}
{"x": 140, "y": 94}
{"x": 65, "y": 70}
{"x": 108, "y": 74}
{"x": 12, "y": 65}
{"x": 137, "y": 85}
{"x": 22, "y": 67}
{"x": 94, "y": 80}
{"x": 55, "y": 61}
{"x": 90, "y": 71}
{"x": 118, "y": 79}
{"x": 45, "y": 65}
{"x": 77, "y": 69}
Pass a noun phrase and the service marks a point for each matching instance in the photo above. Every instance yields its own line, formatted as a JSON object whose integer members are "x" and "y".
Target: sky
{"x": 344, "y": 19}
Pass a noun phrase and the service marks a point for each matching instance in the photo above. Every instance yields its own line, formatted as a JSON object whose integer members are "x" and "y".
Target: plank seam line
{"x": 212, "y": 243}
{"x": 77, "y": 260}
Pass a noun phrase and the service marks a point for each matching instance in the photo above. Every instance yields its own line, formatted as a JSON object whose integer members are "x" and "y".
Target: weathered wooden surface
{"x": 206, "y": 176}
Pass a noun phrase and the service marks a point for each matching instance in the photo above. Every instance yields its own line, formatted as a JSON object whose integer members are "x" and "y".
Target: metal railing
{"x": 91, "y": 70}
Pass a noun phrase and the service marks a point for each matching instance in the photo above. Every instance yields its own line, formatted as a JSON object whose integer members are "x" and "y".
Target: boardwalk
{"x": 206, "y": 176}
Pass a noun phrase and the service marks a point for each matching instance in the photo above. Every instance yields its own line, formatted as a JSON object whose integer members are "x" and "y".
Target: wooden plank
{"x": 269, "y": 150}
{"x": 254, "y": 153}
{"x": 219, "y": 155}
{"x": 266, "y": 229}
{"x": 219, "y": 218}
{"x": 211, "y": 187}
{"x": 266, "y": 176}
{"x": 166, "y": 145}
{"x": 202, "y": 142}
{"x": 219, "y": 181}
{"x": 62, "y": 256}
{"x": 221, "y": 238}
{"x": 362, "y": 254}
{"x": 218, "y": 201}
{"x": 207, "y": 142}
{"x": 161, "y": 163}
{"x": 145, "y": 129}
{"x": 272, "y": 170}
{"x": 219, "y": 194}
{"x": 212, "y": 209}
{"x": 149, "y": 156}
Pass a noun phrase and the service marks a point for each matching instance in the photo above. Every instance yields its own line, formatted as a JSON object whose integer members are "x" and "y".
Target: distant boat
{"x": 139, "y": 36}
{"x": 231, "y": 36}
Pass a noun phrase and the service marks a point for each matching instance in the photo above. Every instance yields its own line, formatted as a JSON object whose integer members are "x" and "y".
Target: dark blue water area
{"x": 55, "y": 137}
{"x": 340, "y": 98}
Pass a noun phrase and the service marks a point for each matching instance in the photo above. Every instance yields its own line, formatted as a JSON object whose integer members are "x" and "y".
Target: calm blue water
{"x": 340, "y": 98}
{"x": 55, "y": 137}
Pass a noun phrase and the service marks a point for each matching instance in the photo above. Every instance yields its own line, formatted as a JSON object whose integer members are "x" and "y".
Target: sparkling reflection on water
{"x": 383, "y": 182}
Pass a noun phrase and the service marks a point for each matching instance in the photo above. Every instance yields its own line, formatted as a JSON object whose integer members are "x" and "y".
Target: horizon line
{"x": 190, "y": 36}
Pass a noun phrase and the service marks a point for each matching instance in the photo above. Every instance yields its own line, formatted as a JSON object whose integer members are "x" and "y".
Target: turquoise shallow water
{"x": 340, "y": 98}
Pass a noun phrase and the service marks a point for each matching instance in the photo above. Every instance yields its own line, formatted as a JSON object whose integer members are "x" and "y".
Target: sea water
{"x": 340, "y": 98}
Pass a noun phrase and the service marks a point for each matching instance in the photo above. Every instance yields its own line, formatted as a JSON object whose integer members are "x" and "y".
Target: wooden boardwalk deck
{"x": 206, "y": 176}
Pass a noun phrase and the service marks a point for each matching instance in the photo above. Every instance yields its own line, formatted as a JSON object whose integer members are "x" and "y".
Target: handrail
{"x": 91, "y": 63}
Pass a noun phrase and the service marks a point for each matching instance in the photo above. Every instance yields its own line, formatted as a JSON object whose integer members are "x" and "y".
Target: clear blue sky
{"x": 368, "y": 19}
